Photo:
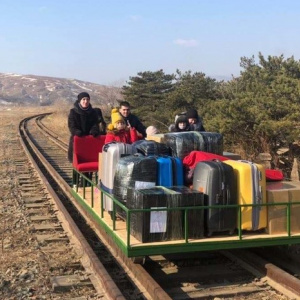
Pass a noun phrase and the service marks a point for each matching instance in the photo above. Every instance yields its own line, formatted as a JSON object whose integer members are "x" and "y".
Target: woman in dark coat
{"x": 82, "y": 120}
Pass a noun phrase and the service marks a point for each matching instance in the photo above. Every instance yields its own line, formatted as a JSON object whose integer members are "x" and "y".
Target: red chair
{"x": 86, "y": 153}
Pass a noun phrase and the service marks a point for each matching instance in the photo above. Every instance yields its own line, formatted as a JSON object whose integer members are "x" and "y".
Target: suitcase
{"x": 153, "y": 226}
{"x": 169, "y": 171}
{"x": 251, "y": 189}
{"x": 164, "y": 176}
{"x": 177, "y": 167}
{"x": 217, "y": 182}
{"x": 111, "y": 153}
{"x": 151, "y": 148}
{"x": 182, "y": 143}
{"x": 134, "y": 171}
{"x": 213, "y": 142}
{"x": 195, "y": 218}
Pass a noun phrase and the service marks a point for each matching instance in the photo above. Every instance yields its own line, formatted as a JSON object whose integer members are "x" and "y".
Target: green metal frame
{"x": 187, "y": 245}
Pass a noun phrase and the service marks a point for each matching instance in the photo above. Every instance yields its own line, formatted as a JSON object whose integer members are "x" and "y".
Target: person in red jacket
{"x": 117, "y": 131}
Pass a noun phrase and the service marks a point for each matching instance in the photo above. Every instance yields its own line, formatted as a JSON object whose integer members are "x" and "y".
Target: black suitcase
{"x": 133, "y": 171}
{"x": 195, "y": 218}
{"x": 183, "y": 143}
{"x": 213, "y": 142}
{"x": 218, "y": 183}
{"x": 150, "y": 148}
{"x": 154, "y": 226}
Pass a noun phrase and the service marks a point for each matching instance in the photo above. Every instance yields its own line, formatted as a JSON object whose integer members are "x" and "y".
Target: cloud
{"x": 186, "y": 43}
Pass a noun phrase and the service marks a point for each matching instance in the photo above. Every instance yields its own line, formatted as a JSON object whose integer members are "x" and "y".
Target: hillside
{"x": 32, "y": 90}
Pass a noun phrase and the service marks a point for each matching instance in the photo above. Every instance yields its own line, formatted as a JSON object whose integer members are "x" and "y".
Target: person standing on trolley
{"x": 82, "y": 120}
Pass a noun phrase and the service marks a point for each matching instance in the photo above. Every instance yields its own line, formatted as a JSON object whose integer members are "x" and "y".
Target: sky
{"x": 109, "y": 41}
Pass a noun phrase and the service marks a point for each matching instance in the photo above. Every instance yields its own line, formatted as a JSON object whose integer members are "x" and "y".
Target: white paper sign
{"x": 143, "y": 185}
{"x": 158, "y": 221}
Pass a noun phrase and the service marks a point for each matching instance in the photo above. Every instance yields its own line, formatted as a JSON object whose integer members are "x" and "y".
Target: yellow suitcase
{"x": 251, "y": 189}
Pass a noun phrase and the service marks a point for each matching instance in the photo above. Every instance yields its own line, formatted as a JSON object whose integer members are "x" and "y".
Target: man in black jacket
{"x": 132, "y": 119}
{"x": 82, "y": 120}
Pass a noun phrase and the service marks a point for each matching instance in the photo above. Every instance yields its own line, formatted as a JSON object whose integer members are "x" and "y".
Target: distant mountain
{"x": 35, "y": 90}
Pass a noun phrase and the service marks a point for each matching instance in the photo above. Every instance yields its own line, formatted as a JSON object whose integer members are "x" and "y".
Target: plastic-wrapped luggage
{"x": 195, "y": 218}
{"x": 134, "y": 171}
{"x": 251, "y": 189}
{"x": 151, "y": 148}
{"x": 111, "y": 153}
{"x": 153, "y": 226}
{"x": 182, "y": 143}
{"x": 164, "y": 225}
{"x": 217, "y": 182}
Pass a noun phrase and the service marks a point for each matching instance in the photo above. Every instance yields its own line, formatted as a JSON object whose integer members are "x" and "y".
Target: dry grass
{"x": 58, "y": 122}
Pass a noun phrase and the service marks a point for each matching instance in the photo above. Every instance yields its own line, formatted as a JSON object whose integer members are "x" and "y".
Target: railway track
{"x": 201, "y": 275}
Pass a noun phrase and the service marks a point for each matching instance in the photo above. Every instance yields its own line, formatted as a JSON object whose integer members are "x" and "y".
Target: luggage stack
{"x": 251, "y": 189}
{"x": 182, "y": 143}
{"x": 216, "y": 181}
{"x": 169, "y": 169}
{"x": 283, "y": 192}
{"x": 164, "y": 225}
{"x": 111, "y": 153}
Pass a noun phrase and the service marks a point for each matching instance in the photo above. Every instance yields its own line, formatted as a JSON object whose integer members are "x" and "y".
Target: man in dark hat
{"x": 82, "y": 120}
{"x": 194, "y": 120}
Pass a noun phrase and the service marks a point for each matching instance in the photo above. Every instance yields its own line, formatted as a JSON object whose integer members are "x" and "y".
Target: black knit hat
{"x": 82, "y": 95}
{"x": 182, "y": 119}
{"x": 192, "y": 114}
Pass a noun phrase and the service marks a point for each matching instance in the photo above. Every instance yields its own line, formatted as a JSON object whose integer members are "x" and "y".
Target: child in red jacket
{"x": 117, "y": 131}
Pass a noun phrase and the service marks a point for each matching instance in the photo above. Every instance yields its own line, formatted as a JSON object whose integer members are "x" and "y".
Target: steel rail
{"x": 108, "y": 284}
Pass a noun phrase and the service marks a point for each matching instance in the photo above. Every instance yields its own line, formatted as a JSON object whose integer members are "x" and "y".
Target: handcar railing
{"x": 88, "y": 183}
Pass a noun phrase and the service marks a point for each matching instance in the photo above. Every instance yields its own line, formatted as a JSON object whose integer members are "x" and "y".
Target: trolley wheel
{"x": 138, "y": 259}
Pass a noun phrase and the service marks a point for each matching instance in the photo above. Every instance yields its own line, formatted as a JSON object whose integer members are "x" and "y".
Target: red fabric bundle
{"x": 274, "y": 175}
{"x": 195, "y": 156}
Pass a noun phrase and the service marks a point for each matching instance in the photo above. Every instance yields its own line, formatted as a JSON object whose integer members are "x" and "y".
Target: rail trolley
{"x": 283, "y": 222}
